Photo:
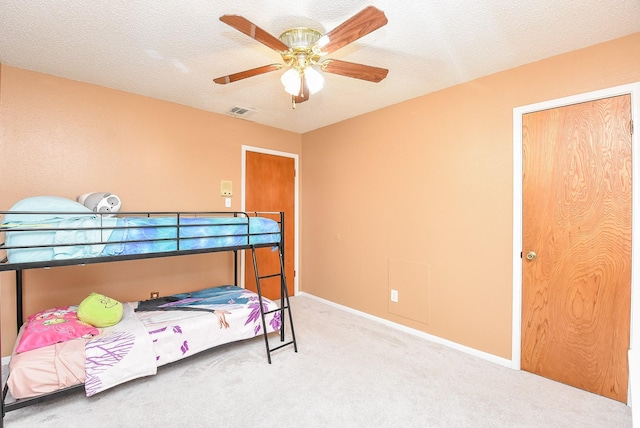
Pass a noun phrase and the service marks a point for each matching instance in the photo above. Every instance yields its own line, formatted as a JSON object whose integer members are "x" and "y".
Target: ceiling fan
{"x": 302, "y": 49}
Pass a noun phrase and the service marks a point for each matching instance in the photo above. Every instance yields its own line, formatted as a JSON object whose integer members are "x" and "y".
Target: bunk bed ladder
{"x": 284, "y": 305}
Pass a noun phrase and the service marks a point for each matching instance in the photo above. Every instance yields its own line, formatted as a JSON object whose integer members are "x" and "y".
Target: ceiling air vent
{"x": 242, "y": 112}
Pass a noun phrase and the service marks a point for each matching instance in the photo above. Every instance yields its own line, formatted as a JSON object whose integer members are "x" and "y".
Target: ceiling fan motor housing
{"x": 301, "y": 42}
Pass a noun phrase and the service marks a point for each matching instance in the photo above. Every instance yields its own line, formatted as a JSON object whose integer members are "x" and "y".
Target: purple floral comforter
{"x": 171, "y": 328}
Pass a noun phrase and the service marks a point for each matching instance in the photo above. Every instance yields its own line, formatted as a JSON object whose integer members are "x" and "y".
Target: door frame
{"x": 296, "y": 208}
{"x": 632, "y": 89}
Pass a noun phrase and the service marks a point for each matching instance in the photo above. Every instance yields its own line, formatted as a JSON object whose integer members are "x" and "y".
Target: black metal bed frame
{"x": 5, "y": 265}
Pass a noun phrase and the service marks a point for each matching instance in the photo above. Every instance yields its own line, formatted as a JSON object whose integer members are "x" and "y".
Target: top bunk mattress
{"x": 48, "y": 235}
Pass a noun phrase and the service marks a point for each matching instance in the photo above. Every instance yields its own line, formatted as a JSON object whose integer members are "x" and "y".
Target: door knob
{"x": 531, "y": 255}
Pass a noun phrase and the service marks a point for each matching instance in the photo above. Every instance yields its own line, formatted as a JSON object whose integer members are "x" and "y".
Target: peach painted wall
{"x": 65, "y": 138}
{"x": 419, "y": 195}
{"x": 440, "y": 164}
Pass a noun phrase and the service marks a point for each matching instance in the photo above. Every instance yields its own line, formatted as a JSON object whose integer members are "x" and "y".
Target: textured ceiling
{"x": 171, "y": 50}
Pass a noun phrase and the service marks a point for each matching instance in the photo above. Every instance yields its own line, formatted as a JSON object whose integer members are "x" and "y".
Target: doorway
{"x": 270, "y": 183}
{"x": 519, "y": 260}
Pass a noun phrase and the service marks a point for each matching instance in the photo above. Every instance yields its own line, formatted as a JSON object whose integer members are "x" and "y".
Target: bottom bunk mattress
{"x": 151, "y": 333}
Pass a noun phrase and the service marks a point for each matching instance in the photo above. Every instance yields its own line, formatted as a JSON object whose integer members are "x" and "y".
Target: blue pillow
{"x": 47, "y": 207}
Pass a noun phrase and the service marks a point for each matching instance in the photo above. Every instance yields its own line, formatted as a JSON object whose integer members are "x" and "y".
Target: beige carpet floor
{"x": 350, "y": 371}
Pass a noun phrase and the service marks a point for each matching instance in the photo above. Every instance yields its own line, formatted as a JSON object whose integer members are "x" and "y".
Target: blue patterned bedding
{"x": 151, "y": 235}
{"x": 95, "y": 236}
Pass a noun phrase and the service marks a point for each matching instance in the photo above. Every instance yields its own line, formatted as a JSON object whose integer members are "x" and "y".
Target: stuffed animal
{"x": 99, "y": 310}
{"x": 100, "y": 202}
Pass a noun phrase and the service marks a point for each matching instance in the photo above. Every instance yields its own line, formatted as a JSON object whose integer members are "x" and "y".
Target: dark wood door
{"x": 577, "y": 220}
{"x": 270, "y": 186}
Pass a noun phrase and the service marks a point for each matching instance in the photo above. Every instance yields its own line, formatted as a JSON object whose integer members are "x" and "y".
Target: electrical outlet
{"x": 155, "y": 294}
{"x": 394, "y": 296}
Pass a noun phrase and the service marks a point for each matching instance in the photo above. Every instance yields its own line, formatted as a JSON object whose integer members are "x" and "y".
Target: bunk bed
{"x": 46, "y": 232}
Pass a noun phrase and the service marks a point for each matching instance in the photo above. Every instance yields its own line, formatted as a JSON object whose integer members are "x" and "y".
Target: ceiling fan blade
{"x": 351, "y": 69}
{"x": 252, "y": 30}
{"x": 364, "y": 22}
{"x": 304, "y": 93}
{"x": 247, "y": 73}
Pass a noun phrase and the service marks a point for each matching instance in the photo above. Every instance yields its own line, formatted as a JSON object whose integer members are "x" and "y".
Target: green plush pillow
{"x": 100, "y": 310}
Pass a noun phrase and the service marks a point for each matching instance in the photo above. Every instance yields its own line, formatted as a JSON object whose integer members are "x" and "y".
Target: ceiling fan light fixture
{"x": 314, "y": 79}
{"x": 291, "y": 81}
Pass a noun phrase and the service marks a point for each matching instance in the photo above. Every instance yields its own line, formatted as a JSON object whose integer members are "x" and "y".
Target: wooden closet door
{"x": 270, "y": 186}
{"x": 576, "y": 268}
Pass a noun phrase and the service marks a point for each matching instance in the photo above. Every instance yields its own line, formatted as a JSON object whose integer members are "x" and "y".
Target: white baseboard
{"x": 484, "y": 355}
{"x": 634, "y": 387}
{"x": 5, "y": 360}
